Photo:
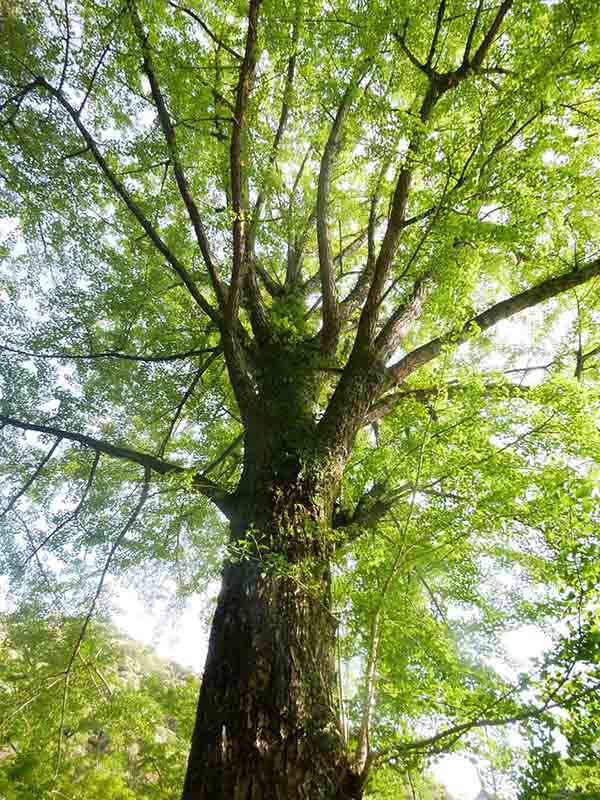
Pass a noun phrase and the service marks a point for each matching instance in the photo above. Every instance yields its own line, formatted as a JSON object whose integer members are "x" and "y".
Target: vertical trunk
{"x": 267, "y": 721}
{"x": 267, "y": 726}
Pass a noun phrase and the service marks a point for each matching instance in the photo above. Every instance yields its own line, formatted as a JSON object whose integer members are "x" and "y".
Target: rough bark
{"x": 267, "y": 725}
{"x": 267, "y": 721}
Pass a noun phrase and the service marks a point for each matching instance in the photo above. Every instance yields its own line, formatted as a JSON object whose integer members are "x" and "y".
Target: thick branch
{"x": 239, "y": 198}
{"x": 401, "y": 320}
{"x": 496, "y": 313}
{"x": 371, "y": 507}
{"x": 488, "y": 39}
{"x": 330, "y": 329}
{"x": 360, "y": 290}
{"x": 170, "y": 139}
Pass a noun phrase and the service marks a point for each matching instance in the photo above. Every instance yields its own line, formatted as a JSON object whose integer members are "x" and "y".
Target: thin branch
{"x": 113, "y": 549}
{"x": 75, "y": 652}
{"x": 17, "y": 99}
{"x": 222, "y": 499}
{"x": 401, "y": 39}
{"x": 360, "y": 290}
{"x": 363, "y": 759}
{"x": 36, "y": 548}
{"x": 186, "y": 396}
{"x": 219, "y": 42}
{"x": 425, "y": 395}
{"x": 28, "y": 702}
{"x": 281, "y": 126}
{"x": 590, "y": 354}
{"x": 114, "y": 354}
{"x": 123, "y": 193}
{"x": 438, "y": 27}
{"x": 95, "y": 72}
{"x": 170, "y": 139}
{"x": 294, "y": 254}
{"x": 312, "y": 283}
{"x": 14, "y": 499}
{"x": 93, "y": 669}
{"x": 222, "y": 456}
{"x": 456, "y": 731}
{"x": 67, "y": 46}
{"x": 471, "y": 34}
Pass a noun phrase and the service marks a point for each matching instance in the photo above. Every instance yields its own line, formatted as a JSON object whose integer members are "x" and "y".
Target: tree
{"x": 125, "y": 727}
{"x": 265, "y": 254}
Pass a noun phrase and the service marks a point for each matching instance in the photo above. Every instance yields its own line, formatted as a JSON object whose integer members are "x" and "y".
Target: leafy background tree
{"x": 259, "y": 267}
{"x": 125, "y": 722}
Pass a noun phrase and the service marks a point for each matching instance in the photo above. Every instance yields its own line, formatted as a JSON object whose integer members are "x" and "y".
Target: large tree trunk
{"x": 267, "y": 726}
{"x": 267, "y": 723}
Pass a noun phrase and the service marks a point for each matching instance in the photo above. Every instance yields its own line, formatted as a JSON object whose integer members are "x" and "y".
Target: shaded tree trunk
{"x": 267, "y": 725}
{"x": 267, "y": 721}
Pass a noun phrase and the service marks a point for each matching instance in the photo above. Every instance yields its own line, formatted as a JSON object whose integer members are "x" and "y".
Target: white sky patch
{"x": 459, "y": 776}
{"x": 526, "y": 643}
{"x": 182, "y": 638}
{"x": 551, "y": 158}
{"x": 9, "y": 227}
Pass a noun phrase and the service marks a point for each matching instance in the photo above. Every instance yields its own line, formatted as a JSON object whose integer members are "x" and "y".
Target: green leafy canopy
{"x": 377, "y": 226}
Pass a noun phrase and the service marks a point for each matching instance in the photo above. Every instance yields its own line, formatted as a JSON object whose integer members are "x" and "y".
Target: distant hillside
{"x": 116, "y": 727}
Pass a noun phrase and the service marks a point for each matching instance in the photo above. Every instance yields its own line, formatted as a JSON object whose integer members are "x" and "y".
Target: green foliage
{"x": 123, "y": 731}
{"x": 486, "y": 464}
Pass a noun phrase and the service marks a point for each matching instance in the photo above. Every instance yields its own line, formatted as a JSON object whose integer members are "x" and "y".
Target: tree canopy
{"x": 333, "y": 265}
